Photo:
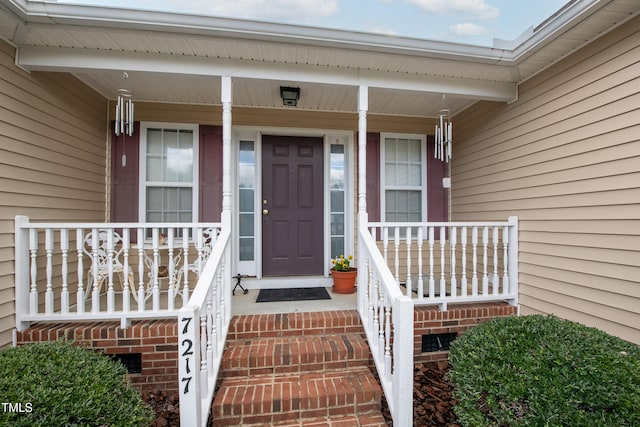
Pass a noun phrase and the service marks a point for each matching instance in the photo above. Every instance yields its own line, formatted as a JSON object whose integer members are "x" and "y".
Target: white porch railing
{"x": 438, "y": 264}
{"x": 202, "y": 330}
{"x": 106, "y": 271}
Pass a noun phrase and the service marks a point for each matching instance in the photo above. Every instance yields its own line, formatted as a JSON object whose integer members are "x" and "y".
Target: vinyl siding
{"x": 52, "y": 159}
{"x": 565, "y": 158}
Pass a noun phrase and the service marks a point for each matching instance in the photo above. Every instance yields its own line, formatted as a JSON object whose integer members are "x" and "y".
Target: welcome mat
{"x": 292, "y": 294}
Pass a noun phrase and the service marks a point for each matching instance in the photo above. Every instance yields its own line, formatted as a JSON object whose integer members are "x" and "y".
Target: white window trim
{"x": 142, "y": 187}
{"x": 383, "y": 186}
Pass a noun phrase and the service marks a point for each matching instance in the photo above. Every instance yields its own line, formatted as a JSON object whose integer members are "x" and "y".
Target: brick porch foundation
{"x": 156, "y": 340}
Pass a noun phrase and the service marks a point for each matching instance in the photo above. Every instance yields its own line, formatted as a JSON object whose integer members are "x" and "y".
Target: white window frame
{"x": 423, "y": 171}
{"x": 195, "y": 183}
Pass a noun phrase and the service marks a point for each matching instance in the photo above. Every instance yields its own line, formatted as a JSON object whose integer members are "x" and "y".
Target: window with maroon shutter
{"x": 436, "y": 195}
{"x": 163, "y": 188}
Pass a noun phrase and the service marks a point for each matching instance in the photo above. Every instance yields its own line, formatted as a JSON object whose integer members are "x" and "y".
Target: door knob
{"x": 265, "y": 212}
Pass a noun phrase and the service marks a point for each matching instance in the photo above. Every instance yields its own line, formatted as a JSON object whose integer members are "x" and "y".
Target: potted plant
{"x": 344, "y": 276}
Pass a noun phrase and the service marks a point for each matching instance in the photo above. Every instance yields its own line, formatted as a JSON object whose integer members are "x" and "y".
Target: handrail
{"x": 437, "y": 263}
{"x": 202, "y": 330}
{"x": 387, "y": 318}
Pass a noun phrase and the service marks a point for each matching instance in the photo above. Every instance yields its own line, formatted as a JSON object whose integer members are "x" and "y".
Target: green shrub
{"x": 58, "y": 384}
{"x": 543, "y": 371}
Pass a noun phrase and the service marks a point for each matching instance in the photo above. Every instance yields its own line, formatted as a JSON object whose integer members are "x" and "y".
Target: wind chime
{"x": 124, "y": 116}
{"x": 443, "y": 133}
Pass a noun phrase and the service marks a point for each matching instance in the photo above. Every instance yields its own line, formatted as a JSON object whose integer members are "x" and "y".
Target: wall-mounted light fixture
{"x": 290, "y": 95}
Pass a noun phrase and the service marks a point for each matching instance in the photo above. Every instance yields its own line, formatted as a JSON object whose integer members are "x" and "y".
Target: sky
{"x": 475, "y": 22}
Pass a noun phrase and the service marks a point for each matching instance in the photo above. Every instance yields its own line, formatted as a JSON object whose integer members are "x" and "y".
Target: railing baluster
{"x": 505, "y": 244}
{"x": 452, "y": 242}
{"x": 463, "y": 279}
{"x": 396, "y": 244}
{"x": 155, "y": 292}
{"x": 387, "y": 339}
{"x": 33, "y": 250}
{"x": 496, "y": 279}
{"x": 203, "y": 352}
{"x": 211, "y": 326}
{"x": 185, "y": 266}
{"x": 381, "y": 321}
{"x": 485, "y": 276}
{"x": 409, "y": 282}
{"x": 385, "y": 244}
{"x": 474, "y": 277}
{"x": 80, "y": 297}
{"x": 48, "y": 247}
{"x": 141, "y": 264}
{"x": 110, "y": 290}
{"x": 172, "y": 269}
{"x": 126, "y": 274}
{"x": 420, "y": 277}
{"x": 64, "y": 248}
{"x": 95, "y": 294}
{"x": 443, "y": 280}
{"x": 432, "y": 280}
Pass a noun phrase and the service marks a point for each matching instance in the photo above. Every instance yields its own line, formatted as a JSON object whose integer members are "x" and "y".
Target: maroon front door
{"x": 292, "y": 216}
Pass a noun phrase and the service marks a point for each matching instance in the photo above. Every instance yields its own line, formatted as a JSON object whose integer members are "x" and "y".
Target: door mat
{"x": 292, "y": 294}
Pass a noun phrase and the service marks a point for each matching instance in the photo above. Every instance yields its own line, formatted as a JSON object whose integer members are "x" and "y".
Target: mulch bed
{"x": 432, "y": 397}
{"x": 166, "y": 406}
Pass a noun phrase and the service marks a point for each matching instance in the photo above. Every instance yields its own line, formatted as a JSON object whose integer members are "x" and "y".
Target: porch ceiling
{"x": 179, "y": 58}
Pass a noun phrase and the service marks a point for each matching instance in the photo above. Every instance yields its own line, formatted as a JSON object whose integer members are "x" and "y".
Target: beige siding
{"x": 52, "y": 159}
{"x": 565, "y": 158}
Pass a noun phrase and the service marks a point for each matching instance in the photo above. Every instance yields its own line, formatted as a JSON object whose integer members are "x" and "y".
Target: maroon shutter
{"x": 373, "y": 176}
{"x": 210, "y": 165}
{"x": 125, "y": 180}
{"x": 437, "y": 200}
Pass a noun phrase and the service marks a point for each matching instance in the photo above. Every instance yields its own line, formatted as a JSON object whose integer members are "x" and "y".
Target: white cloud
{"x": 264, "y": 10}
{"x": 468, "y": 29}
{"x": 473, "y": 9}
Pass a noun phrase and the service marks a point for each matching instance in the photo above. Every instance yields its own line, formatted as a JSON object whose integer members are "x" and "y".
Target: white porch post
{"x": 227, "y": 96}
{"x": 363, "y": 219}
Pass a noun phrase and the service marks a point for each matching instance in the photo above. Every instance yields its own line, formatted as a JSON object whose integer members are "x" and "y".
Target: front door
{"x": 293, "y": 212}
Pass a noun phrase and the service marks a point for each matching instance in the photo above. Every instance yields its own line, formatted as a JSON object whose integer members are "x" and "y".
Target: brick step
{"x": 275, "y": 398}
{"x": 292, "y": 324}
{"x": 369, "y": 420}
{"x": 294, "y": 354}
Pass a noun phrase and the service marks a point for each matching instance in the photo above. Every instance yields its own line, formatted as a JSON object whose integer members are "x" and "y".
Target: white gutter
{"x": 132, "y": 19}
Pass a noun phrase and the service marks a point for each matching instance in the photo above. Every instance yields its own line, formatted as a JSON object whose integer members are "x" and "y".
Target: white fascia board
{"x": 502, "y": 52}
{"x": 177, "y": 23}
{"x": 74, "y": 60}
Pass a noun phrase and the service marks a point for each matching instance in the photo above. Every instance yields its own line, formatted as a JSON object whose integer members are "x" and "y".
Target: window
{"x": 403, "y": 178}
{"x": 246, "y": 196}
{"x": 168, "y": 189}
{"x": 337, "y": 189}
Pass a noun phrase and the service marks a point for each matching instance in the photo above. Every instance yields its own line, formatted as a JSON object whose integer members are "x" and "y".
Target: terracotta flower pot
{"x": 344, "y": 282}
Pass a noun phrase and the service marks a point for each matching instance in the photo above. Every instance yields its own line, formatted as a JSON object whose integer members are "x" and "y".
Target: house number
{"x": 187, "y": 345}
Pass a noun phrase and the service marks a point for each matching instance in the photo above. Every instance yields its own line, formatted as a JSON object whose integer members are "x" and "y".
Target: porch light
{"x": 443, "y": 133}
{"x": 290, "y": 95}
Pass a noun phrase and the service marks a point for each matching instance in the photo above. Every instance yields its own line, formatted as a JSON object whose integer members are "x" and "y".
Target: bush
{"x": 57, "y": 384}
{"x": 543, "y": 371}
